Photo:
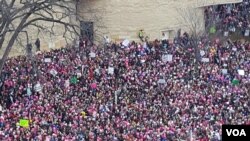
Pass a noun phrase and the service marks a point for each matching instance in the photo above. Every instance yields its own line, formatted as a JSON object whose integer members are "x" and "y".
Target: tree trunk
{"x": 11, "y": 42}
{"x": 7, "y": 51}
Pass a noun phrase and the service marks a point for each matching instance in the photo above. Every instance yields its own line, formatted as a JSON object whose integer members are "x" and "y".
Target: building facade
{"x": 123, "y": 19}
{"x": 119, "y": 20}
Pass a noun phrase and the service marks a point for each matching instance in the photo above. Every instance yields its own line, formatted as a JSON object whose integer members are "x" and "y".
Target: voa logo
{"x": 236, "y": 132}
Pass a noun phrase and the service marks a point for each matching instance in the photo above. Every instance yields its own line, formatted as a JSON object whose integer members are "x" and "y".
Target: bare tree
{"x": 199, "y": 22}
{"x": 192, "y": 18}
{"x": 198, "y": 26}
{"x": 17, "y": 16}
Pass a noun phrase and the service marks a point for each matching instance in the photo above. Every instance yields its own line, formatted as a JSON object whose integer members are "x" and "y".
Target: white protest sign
{"x": 202, "y": 52}
{"x": 205, "y": 59}
{"x": 169, "y": 57}
{"x": 161, "y": 81}
{"x": 38, "y": 87}
{"x": 53, "y": 72}
{"x": 164, "y": 58}
{"x": 246, "y": 32}
{"x": 92, "y": 54}
{"x": 47, "y": 60}
{"x": 234, "y": 49}
{"x": 226, "y": 33}
{"x": 224, "y": 71}
{"x": 241, "y": 72}
{"x": 125, "y": 43}
{"x": 111, "y": 70}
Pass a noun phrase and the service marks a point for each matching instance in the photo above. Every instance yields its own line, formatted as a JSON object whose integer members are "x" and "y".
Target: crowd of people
{"x": 230, "y": 18}
{"x": 139, "y": 92}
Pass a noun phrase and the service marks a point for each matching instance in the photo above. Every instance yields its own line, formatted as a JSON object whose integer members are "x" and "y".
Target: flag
{"x": 235, "y": 82}
{"x": 73, "y": 80}
{"x": 24, "y": 123}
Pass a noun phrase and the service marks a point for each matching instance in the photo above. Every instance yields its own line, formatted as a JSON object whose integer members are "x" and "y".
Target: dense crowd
{"x": 230, "y": 18}
{"x": 150, "y": 91}
{"x": 144, "y": 97}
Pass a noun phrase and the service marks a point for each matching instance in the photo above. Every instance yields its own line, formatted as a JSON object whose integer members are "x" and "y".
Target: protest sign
{"x": 224, "y": 71}
{"x": 241, "y": 72}
{"x": 161, "y": 81}
{"x": 205, "y": 59}
{"x": 164, "y": 58}
{"x": 235, "y": 82}
{"x": 24, "y": 123}
{"x": 38, "y": 87}
{"x": 92, "y": 54}
{"x": 202, "y": 52}
{"x": 111, "y": 70}
{"x": 47, "y": 60}
{"x": 226, "y": 33}
{"x": 29, "y": 91}
{"x": 167, "y": 58}
{"x": 73, "y": 80}
{"x": 212, "y": 30}
{"x": 246, "y": 33}
{"x": 125, "y": 43}
{"x": 53, "y": 72}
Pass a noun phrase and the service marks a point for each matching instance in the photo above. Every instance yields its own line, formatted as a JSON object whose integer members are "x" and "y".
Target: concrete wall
{"x": 121, "y": 19}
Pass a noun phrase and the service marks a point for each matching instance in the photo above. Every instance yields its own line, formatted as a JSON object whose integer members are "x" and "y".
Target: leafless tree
{"x": 198, "y": 27}
{"x": 16, "y": 16}
{"x": 191, "y": 17}
{"x": 194, "y": 19}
